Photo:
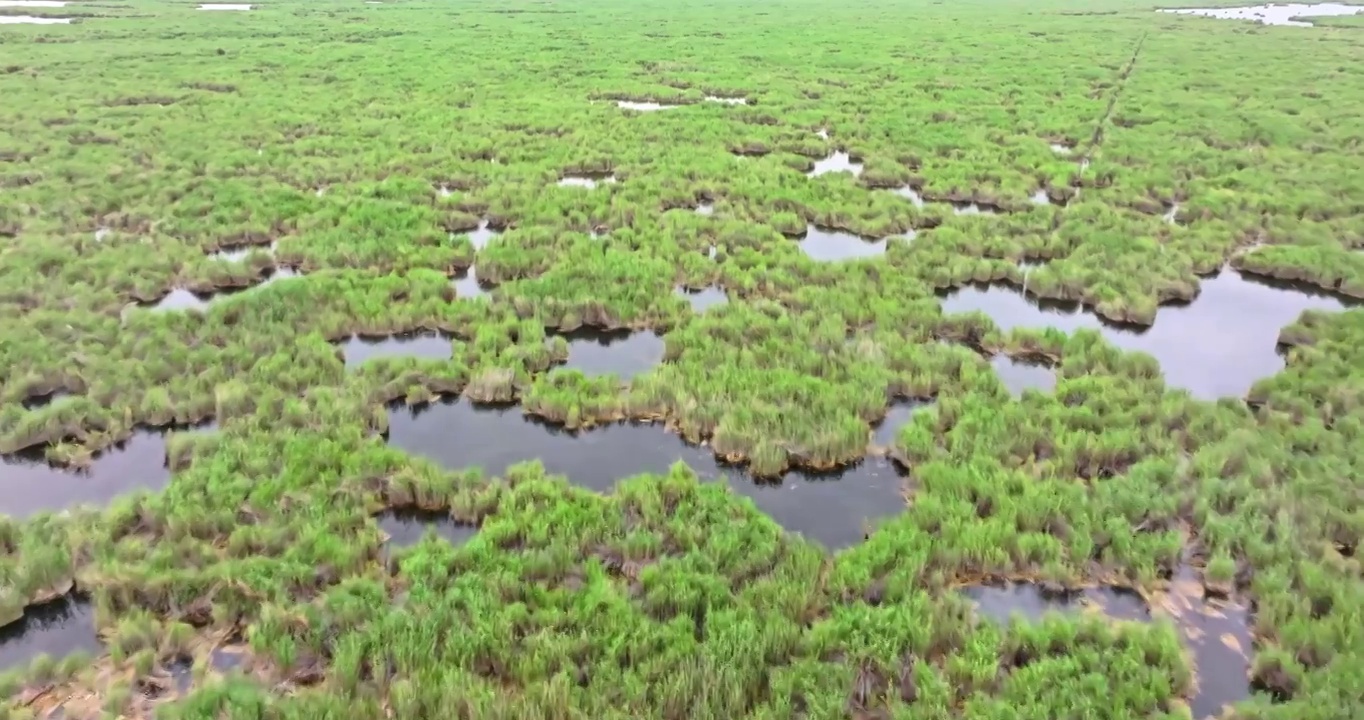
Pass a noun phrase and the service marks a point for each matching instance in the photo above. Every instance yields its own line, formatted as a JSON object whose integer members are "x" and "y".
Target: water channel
{"x": 829, "y": 508}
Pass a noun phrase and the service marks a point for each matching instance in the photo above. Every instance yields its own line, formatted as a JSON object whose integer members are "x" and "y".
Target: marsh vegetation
{"x": 620, "y": 360}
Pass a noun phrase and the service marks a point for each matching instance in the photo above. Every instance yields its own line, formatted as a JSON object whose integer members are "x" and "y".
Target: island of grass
{"x": 606, "y": 359}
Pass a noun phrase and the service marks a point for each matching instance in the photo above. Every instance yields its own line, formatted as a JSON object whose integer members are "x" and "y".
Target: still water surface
{"x": 1216, "y": 346}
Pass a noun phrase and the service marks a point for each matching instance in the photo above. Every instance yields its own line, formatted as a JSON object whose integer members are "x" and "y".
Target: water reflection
{"x": 1219, "y": 635}
{"x": 837, "y": 162}
{"x": 1275, "y": 14}
{"x": 971, "y": 208}
{"x": 57, "y": 629}
{"x": 643, "y": 106}
{"x": 1216, "y": 346}
{"x": 1019, "y": 375}
{"x": 224, "y": 6}
{"x": 182, "y": 299}
{"x": 703, "y": 299}
{"x": 901, "y": 411}
{"x": 705, "y": 209}
{"x": 588, "y": 180}
{"x": 910, "y": 194}
{"x": 467, "y": 284}
{"x": 31, "y": 485}
{"x": 1061, "y": 149}
{"x": 1040, "y": 197}
{"x": 833, "y": 509}
{"x": 621, "y": 352}
{"x": 825, "y": 245}
{"x": 481, "y": 236}
{"x": 405, "y": 528}
{"x": 426, "y": 345}
{"x": 727, "y": 100}
{"x": 1033, "y": 601}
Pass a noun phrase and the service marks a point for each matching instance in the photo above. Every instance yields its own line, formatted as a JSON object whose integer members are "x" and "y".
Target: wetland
{"x": 620, "y": 360}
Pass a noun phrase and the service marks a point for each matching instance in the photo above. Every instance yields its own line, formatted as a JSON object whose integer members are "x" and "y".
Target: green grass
{"x": 148, "y": 135}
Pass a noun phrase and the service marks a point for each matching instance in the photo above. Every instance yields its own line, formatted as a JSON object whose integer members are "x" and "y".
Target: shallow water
{"x": 1061, "y": 149}
{"x": 1000, "y": 602}
{"x": 482, "y": 235}
{"x": 727, "y": 100}
{"x": 970, "y": 208}
{"x": 240, "y": 252}
{"x": 1171, "y": 214}
{"x": 1040, "y": 197}
{"x": 705, "y": 209}
{"x": 33, "y": 20}
{"x": 643, "y": 106}
{"x": 830, "y": 509}
{"x": 824, "y": 245}
{"x": 1019, "y": 376}
{"x": 1273, "y": 14}
{"x": 30, "y": 485}
{"x": 425, "y": 345}
{"x": 58, "y": 629}
{"x": 1216, "y": 346}
{"x": 586, "y": 181}
{"x": 899, "y": 414}
{"x": 703, "y": 299}
{"x": 624, "y": 353}
{"x": 467, "y": 285}
{"x": 280, "y": 272}
{"x": 1218, "y": 634}
{"x": 407, "y": 527}
{"x": 181, "y": 299}
{"x": 837, "y": 162}
{"x": 225, "y": 6}
{"x": 911, "y": 194}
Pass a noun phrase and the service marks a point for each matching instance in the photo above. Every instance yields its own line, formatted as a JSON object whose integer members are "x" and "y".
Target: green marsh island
{"x": 690, "y": 360}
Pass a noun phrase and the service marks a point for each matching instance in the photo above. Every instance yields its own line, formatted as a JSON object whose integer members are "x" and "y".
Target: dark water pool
{"x": 58, "y": 628}
{"x": 425, "y": 345}
{"x": 831, "y": 509}
{"x": 1000, "y": 602}
{"x": 622, "y": 352}
{"x": 407, "y": 527}
{"x": 30, "y": 485}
